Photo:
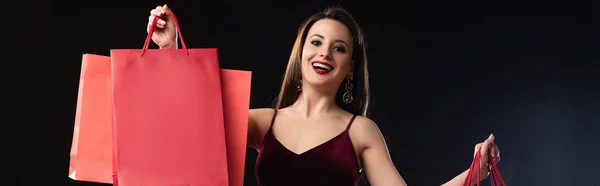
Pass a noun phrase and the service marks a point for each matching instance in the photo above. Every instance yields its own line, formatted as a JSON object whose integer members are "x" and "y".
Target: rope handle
{"x": 495, "y": 177}
{"x": 151, "y": 31}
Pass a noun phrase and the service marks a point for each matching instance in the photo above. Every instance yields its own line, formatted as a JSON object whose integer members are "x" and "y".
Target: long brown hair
{"x": 289, "y": 92}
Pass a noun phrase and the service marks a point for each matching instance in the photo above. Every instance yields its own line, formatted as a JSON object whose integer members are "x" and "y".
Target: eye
{"x": 316, "y": 43}
{"x": 340, "y": 49}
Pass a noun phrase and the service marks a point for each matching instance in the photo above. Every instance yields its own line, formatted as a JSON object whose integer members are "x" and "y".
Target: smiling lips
{"x": 321, "y": 67}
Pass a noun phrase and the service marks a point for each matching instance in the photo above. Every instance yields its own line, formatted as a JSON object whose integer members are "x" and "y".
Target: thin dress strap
{"x": 350, "y": 123}
{"x": 269, "y": 131}
{"x": 273, "y": 118}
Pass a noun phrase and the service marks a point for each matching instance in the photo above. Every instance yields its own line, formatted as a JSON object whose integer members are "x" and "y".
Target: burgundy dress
{"x": 331, "y": 163}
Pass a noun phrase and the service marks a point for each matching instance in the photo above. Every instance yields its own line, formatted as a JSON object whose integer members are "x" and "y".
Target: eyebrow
{"x": 342, "y": 41}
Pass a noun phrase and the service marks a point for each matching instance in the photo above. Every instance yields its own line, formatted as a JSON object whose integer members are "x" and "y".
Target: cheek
{"x": 344, "y": 61}
{"x": 306, "y": 56}
{"x": 307, "y": 53}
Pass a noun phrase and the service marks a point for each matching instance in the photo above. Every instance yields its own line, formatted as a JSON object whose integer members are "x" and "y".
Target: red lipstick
{"x": 321, "y": 67}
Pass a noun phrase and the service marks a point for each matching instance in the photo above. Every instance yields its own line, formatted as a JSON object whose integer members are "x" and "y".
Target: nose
{"x": 325, "y": 52}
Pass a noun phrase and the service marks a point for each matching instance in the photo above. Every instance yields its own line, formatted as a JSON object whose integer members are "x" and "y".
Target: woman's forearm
{"x": 458, "y": 180}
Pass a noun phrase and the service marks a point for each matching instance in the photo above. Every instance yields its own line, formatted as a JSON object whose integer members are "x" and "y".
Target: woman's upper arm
{"x": 376, "y": 160}
{"x": 259, "y": 121}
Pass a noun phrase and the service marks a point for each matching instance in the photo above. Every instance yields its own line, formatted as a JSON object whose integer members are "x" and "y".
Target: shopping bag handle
{"x": 153, "y": 26}
{"x": 495, "y": 177}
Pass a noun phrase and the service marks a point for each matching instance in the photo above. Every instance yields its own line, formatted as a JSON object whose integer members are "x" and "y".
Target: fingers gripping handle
{"x": 153, "y": 26}
{"x": 495, "y": 177}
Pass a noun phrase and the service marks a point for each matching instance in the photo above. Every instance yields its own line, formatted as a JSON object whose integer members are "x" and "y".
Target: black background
{"x": 445, "y": 74}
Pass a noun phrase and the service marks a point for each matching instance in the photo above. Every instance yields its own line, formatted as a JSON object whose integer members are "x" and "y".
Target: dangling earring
{"x": 348, "y": 97}
{"x": 300, "y": 85}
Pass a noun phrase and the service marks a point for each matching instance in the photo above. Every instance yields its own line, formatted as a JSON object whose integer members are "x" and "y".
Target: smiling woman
{"x": 330, "y": 39}
{"x": 318, "y": 132}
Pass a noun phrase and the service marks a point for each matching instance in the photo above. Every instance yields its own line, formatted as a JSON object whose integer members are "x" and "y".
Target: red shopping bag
{"x": 235, "y": 85}
{"x": 168, "y": 125}
{"x": 495, "y": 177}
{"x": 91, "y": 149}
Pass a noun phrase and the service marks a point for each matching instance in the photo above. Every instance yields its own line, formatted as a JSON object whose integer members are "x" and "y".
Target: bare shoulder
{"x": 365, "y": 132}
{"x": 365, "y": 126}
{"x": 374, "y": 154}
{"x": 261, "y": 116}
{"x": 259, "y": 120}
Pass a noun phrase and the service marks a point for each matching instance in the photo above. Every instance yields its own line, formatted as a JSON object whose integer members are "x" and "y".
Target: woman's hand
{"x": 164, "y": 32}
{"x": 487, "y": 147}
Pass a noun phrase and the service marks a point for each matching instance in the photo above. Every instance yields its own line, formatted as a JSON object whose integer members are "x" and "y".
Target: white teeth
{"x": 322, "y": 66}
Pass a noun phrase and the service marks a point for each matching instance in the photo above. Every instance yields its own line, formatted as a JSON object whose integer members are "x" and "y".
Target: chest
{"x": 334, "y": 158}
{"x": 300, "y": 138}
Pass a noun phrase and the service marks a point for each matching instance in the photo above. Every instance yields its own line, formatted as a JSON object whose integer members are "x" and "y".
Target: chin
{"x": 319, "y": 80}
{"x": 320, "y": 75}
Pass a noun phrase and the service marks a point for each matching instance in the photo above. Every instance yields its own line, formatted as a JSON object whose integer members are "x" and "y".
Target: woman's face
{"x": 326, "y": 54}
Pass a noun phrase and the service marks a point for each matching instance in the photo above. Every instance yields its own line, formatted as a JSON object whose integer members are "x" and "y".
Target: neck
{"x": 313, "y": 102}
